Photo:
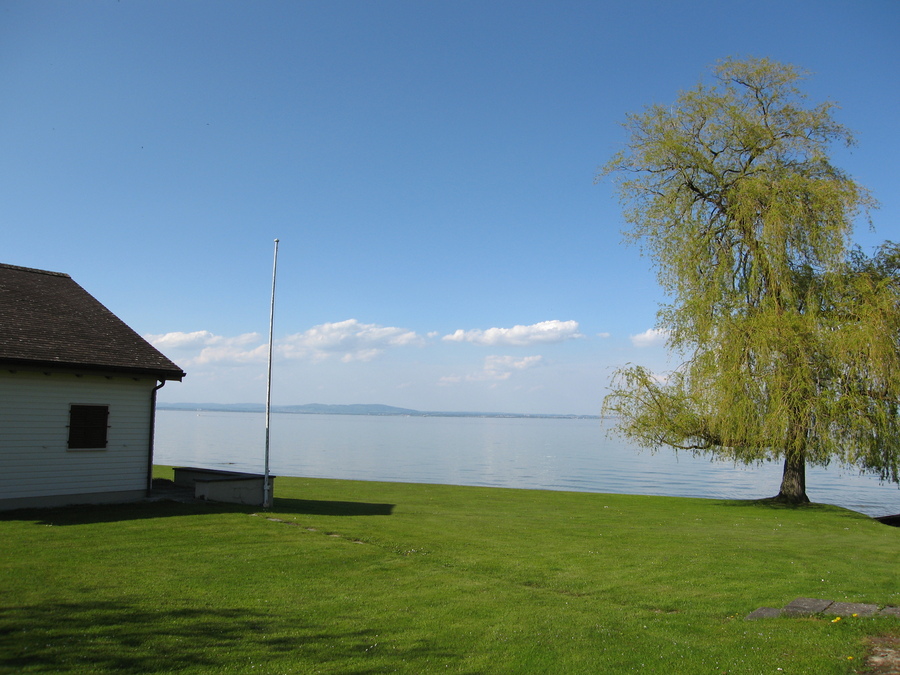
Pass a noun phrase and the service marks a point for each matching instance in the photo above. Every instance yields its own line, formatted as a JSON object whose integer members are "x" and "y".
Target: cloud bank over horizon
{"x": 369, "y": 359}
{"x": 347, "y": 340}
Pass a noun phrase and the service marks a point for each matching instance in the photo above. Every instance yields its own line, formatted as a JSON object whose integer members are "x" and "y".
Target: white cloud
{"x": 496, "y": 368}
{"x": 650, "y": 338}
{"x": 197, "y": 339}
{"x": 202, "y": 346}
{"x": 519, "y": 336}
{"x": 502, "y": 367}
{"x": 232, "y": 351}
{"x": 349, "y": 340}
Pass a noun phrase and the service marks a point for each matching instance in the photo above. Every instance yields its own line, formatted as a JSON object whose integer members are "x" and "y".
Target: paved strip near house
{"x": 810, "y": 606}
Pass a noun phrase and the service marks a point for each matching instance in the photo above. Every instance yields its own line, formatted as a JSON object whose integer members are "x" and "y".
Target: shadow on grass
{"x": 109, "y": 513}
{"x": 120, "y": 637}
{"x": 332, "y": 508}
{"x": 86, "y": 514}
{"x": 775, "y": 505}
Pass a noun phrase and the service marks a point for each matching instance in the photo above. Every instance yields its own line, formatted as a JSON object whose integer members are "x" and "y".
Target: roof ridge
{"x": 34, "y": 270}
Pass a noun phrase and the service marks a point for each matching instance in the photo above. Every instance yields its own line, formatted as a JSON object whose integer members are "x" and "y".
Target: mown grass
{"x": 364, "y": 577}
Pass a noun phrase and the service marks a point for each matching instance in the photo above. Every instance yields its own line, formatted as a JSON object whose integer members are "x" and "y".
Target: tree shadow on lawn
{"x": 109, "y": 513}
{"x": 893, "y": 521}
{"x": 772, "y": 504}
{"x": 120, "y": 637}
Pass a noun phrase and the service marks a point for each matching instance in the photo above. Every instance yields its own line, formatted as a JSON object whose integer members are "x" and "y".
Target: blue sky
{"x": 428, "y": 167}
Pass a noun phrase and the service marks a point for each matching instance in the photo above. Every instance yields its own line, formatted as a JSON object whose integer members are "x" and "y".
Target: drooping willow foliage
{"x": 792, "y": 337}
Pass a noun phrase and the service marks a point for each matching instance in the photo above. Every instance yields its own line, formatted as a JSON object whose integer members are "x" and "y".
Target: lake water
{"x": 541, "y": 453}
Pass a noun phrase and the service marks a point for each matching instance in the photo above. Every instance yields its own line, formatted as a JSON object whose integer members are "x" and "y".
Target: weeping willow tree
{"x": 790, "y": 335}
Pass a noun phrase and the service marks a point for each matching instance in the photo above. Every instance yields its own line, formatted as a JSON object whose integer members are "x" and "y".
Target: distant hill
{"x": 309, "y": 408}
{"x": 352, "y": 409}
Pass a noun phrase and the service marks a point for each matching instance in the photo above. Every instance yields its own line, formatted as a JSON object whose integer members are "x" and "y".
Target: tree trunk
{"x": 793, "y": 481}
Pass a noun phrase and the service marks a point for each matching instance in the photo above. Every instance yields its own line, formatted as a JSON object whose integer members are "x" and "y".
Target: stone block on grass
{"x": 764, "y": 613}
{"x": 806, "y": 606}
{"x": 851, "y": 608}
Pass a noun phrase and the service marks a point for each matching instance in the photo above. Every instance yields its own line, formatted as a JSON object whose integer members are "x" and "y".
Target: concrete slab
{"x": 810, "y": 606}
{"x": 806, "y": 606}
{"x": 764, "y": 613}
{"x": 851, "y": 608}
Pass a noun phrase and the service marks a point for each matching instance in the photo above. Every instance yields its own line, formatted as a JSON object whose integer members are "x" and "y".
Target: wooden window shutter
{"x": 88, "y": 425}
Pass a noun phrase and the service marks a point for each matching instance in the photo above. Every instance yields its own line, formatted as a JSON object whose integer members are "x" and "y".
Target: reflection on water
{"x": 550, "y": 454}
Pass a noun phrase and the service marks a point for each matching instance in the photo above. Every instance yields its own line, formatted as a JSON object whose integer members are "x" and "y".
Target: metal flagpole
{"x": 267, "y": 493}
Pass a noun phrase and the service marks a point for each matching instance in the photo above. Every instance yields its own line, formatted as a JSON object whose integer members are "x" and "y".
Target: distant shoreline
{"x": 354, "y": 409}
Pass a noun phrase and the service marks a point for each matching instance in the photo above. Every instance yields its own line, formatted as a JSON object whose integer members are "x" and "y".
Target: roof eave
{"x": 175, "y": 375}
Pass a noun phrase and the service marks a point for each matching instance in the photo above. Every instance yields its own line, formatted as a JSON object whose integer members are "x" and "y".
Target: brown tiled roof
{"x": 46, "y": 319}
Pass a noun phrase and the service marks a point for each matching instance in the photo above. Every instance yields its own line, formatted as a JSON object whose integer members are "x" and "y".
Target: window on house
{"x": 87, "y": 426}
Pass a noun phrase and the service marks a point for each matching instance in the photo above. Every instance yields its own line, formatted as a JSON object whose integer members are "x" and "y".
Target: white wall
{"x": 34, "y": 418}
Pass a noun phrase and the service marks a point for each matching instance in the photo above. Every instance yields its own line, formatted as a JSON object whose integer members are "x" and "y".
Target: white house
{"x": 77, "y": 395}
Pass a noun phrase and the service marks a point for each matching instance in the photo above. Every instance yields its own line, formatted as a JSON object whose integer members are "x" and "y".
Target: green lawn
{"x": 364, "y": 577}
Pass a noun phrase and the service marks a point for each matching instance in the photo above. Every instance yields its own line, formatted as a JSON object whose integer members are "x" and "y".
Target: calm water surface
{"x": 548, "y": 454}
